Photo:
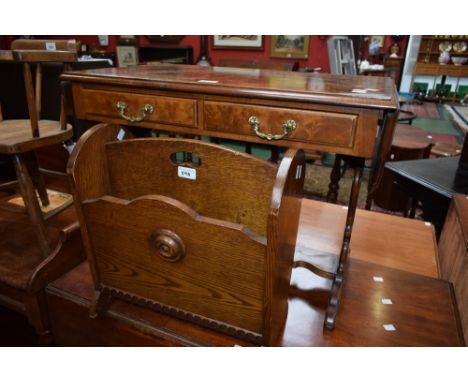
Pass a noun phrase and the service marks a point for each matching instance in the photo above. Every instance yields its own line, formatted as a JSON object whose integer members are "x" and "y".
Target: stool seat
{"x": 16, "y": 136}
{"x": 410, "y": 137}
{"x": 446, "y": 149}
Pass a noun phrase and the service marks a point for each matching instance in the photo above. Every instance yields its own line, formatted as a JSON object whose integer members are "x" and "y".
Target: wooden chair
{"x": 19, "y": 138}
{"x": 25, "y": 267}
{"x": 210, "y": 240}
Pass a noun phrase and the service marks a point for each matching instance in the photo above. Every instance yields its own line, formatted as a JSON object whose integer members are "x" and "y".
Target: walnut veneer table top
{"x": 371, "y": 92}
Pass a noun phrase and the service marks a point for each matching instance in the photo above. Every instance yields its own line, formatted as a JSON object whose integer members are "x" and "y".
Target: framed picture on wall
{"x": 127, "y": 55}
{"x": 376, "y": 40}
{"x": 127, "y": 40}
{"x": 238, "y": 42}
{"x": 289, "y": 46}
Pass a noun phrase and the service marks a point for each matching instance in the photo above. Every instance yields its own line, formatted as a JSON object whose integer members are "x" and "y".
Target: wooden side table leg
{"x": 31, "y": 202}
{"x": 335, "y": 294}
{"x": 335, "y": 177}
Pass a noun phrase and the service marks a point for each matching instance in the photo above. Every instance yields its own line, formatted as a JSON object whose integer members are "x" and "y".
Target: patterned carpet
{"x": 424, "y": 110}
{"x": 459, "y": 115}
{"x": 431, "y": 117}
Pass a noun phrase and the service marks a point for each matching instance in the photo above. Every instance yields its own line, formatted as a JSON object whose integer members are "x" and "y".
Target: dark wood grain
{"x": 407, "y": 245}
{"x": 347, "y": 115}
{"x": 320, "y": 88}
{"x": 422, "y": 313}
{"x": 24, "y": 272}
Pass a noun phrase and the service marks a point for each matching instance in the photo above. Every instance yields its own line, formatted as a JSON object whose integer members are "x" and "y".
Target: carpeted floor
{"x": 459, "y": 115}
{"x": 431, "y": 117}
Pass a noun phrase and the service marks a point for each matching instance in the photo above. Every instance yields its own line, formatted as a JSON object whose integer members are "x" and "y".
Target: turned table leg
{"x": 335, "y": 177}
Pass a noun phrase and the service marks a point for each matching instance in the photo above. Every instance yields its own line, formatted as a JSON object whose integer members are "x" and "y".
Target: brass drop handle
{"x": 288, "y": 126}
{"x": 147, "y": 109}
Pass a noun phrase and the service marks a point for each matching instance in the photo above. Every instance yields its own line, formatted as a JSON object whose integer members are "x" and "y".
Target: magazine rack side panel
{"x": 157, "y": 251}
{"x": 283, "y": 223}
{"x": 229, "y": 185}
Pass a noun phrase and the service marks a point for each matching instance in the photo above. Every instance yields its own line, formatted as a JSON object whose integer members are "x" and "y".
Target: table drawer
{"x": 317, "y": 127}
{"x": 98, "y": 104}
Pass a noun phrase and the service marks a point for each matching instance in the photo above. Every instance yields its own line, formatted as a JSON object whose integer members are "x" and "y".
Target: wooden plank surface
{"x": 422, "y": 309}
{"x": 388, "y": 240}
{"x": 422, "y": 313}
{"x": 16, "y": 135}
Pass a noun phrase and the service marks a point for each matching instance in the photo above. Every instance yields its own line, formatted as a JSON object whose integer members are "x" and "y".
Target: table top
{"x": 365, "y": 91}
{"x": 438, "y": 175}
{"x": 362, "y": 313}
{"x": 387, "y": 240}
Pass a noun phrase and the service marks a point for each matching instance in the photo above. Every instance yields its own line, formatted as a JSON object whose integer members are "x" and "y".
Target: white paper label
{"x": 208, "y": 81}
{"x": 389, "y": 327}
{"x": 187, "y": 172}
{"x": 387, "y": 301}
{"x": 378, "y": 279}
{"x": 50, "y": 45}
{"x": 121, "y": 134}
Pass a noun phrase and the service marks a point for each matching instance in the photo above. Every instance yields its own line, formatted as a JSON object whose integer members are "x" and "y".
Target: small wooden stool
{"x": 446, "y": 149}
{"x": 409, "y": 142}
{"x": 21, "y": 137}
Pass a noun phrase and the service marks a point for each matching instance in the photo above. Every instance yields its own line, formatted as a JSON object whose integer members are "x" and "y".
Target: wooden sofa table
{"x": 416, "y": 309}
{"x": 352, "y": 116}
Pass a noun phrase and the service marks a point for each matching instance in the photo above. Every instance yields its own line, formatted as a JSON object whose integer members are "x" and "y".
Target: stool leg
{"x": 37, "y": 178}
{"x": 31, "y": 202}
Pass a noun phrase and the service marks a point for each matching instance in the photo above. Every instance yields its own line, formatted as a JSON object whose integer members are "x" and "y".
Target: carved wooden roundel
{"x": 168, "y": 245}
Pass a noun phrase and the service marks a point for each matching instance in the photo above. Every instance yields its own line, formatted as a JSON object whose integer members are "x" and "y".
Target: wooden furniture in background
{"x": 394, "y": 67}
{"x": 446, "y": 149}
{"x": 432, "y": 182}
{"x": 453, "y": 253}
{"x": 409, "y": 143}
{"x": 24, "y": 272}
{"x": 19, "y": 138}
{"x": 165, "y": 53}
{"x": 288, "y": 109}
{"x": 427, "y": 62}
{"x": 387, "y": 246}
{"x": 205, "y": 233}
{"x": 23, "y": 275}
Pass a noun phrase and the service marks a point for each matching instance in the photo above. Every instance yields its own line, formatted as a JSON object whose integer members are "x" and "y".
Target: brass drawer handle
{"x": 287, "y": 126}
{"x": 148, "y": 109}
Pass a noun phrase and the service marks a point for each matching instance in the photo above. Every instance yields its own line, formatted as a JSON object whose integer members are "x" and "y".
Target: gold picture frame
{"x": 250, "y": 42}
{"x": 289, "y": 46}
{"x": 377, "y": 40}
{"x": 127, "y": 55}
